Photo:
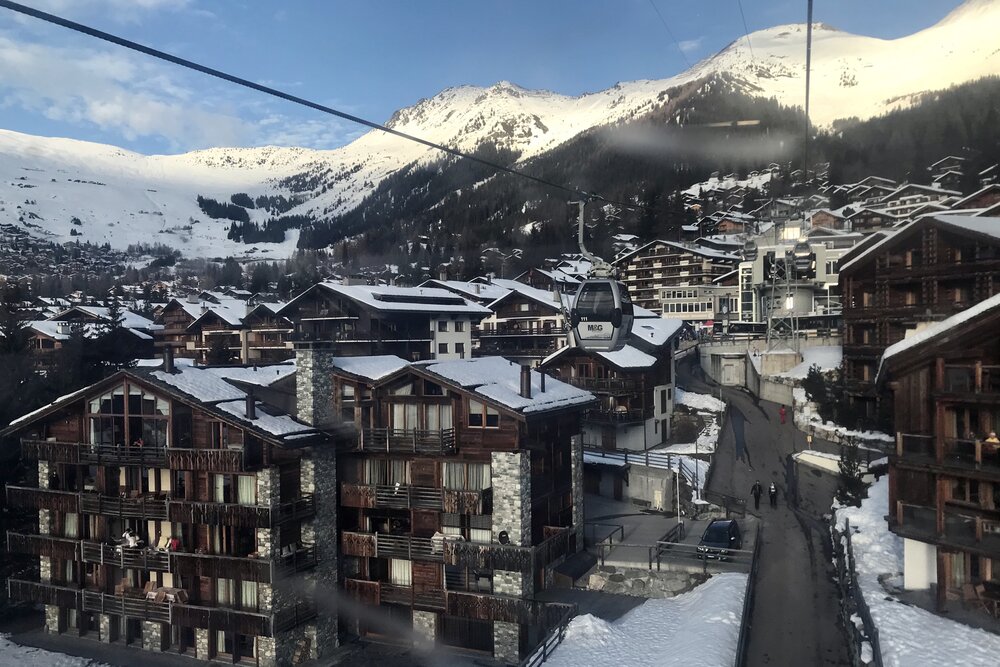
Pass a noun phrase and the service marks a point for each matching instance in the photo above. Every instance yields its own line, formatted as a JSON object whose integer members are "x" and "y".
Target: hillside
{"x": 64, "y": 189}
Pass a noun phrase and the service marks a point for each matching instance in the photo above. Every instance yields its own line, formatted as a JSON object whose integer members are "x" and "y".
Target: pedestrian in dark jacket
{"x": 781, "y": 413}
{"x": 772, "y": 493}
{"x": 756, "y": 491}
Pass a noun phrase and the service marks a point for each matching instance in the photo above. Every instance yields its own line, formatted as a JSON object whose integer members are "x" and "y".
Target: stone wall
{"x": 642, "y": 583}
{"x": 512, "y": 496}
{"x": 319, "y": 477}
{"x": 201, "y": 643}
{"x": 153, "y": 634}
{"x": 425, "y": 626}
{"x": 104, "y": 627}
{"x": 515, "y": 584}
{"x": 576, "y": 465}
{"x": 506, "y": 642}
{"x": 53, "y": 619}
{"x": 314, "y": 387}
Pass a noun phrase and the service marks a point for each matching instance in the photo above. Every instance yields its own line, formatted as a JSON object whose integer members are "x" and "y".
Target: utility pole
{"x": 809, "y": 40}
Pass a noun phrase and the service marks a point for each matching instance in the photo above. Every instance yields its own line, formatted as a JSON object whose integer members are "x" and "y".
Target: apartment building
{"x": 177, "y": 512}
{"x": 660, "y": 265}
{"x": 944, "y": 475}
{"x": 462, "y": 492}
{"x": 926, "y": 271}
{"x": 526, "y": 324}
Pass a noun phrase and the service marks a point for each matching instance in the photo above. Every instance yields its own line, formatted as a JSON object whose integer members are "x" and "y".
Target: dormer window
{"x": 482, "y": 415}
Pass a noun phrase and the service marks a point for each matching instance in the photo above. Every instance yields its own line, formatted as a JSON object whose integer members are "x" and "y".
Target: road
{"x": 794, "y": 619}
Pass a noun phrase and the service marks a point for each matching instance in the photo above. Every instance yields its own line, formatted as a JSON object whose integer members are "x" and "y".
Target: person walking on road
{"x": 772, "y": 493}
{"x": 782, "y": 413}
{"x": 756, "y": 491}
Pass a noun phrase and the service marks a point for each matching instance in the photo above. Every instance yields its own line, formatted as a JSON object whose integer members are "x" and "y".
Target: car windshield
{"x": 716, "y": 533}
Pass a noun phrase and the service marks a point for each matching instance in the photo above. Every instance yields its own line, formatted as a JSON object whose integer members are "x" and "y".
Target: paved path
{"x": 794, "y": 620}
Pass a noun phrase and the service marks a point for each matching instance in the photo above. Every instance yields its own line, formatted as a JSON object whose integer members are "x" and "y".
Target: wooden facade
{"x": 926, "y": 272}
{"x": 216, "y": 504}
{"x": 944, "y": 476}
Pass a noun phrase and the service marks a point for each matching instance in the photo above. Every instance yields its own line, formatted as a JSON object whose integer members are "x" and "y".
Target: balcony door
{"x": 438, "y": 416}
{"x": 404, "y": 416}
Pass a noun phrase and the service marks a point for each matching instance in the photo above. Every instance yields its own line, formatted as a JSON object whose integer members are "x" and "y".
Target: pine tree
{"x": 850, "y": 486}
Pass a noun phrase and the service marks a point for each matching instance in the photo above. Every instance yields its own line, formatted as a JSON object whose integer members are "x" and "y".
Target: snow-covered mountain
{"x": 56, "y": 187}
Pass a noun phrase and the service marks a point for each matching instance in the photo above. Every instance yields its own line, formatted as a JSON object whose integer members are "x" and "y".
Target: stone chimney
{"x": 525, "y": 382}
{"x": 314, "y": 387}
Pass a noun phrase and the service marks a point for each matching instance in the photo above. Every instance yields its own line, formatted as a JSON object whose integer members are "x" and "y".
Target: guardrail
{"x": 609, "y": 538}
{"x": 852, "y": 600}
{"x": 552, "y": 639}
{"x": 749, "y": 598}
{"x": 732, "y": 504}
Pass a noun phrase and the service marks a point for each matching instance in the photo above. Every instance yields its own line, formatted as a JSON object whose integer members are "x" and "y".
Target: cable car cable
{"x": 666, "y": 27}
{"x": 274, "y": 92}
{"x": 746, "y": 32}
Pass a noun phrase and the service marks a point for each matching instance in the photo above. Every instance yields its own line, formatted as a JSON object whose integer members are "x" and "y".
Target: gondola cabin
{"x": 803, "y": 257}
{"x": 602, "y": 315}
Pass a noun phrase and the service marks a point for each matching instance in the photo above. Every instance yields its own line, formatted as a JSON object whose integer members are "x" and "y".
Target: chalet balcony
{"x": 377, "y": 592}
{"x": 82, "y": 452}
{"x": 955, "y": 455}
{"x": 140, "y": 507}
{"x": 384, "y": 545}
{"x": 371, "y": 496}
{"x": 220, "y": 514}
{"x": 517, "y": 330}
{"x": 514, "y": 348}
{"x": 605, "y": 385}
{"x": 614, "y": 416}
{"x": 63, "y": 548}
{"x": 34, "y": 498}
{"x": 215, "y": 566}
{"x": 212, "y": 460}
{"x": 137, "y": 558}
{"x": 307, "y": 337}
{"x": 508, "y": 556}
{"x": 961, "y": 527}
{"x": 407, "y": 441}
{"x": 970, "y": 380}
{"x": 132, "y": 606}
{"x": 24, "y": 590}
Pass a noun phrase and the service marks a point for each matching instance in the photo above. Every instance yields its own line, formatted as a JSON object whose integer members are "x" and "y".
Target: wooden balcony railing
{"x": 138, "y": 558}
{"x": 304, "y": 558}
{"x": 961, "y": 453}
{"x": 215, "y": 566}
{"x": 127, "y": 605}
{"x": 82, "y": 452}
{"x": 63, "y": 548}
{"x": 213, "y": 460}
{"x": 607, "y": 385}
{"x": 142, "y": 507}
{"x": 222, "y": 618}
{"x": 384, "y": 545}
{"x": 613, "y": 416}
{"x": 366, "y": 592}
{"x": 971, "y": 379}
{"x": 916, "y": 447}
{"x": 413, "y": 596}
{"x": 34, "y": 498}
{"x": 220, "y": 514}
{"x": 302, "y": 507}
{"x": 23, "y": 590}
{"x": 390, "y": 496}
{"x": 955, "y": 526}
{"x": 407, "y": 441}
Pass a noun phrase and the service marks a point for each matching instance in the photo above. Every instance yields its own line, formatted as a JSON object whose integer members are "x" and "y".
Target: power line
{"x": 746, "y": 31}
{"x": 204, "y": 69}
{"x": 669, "y": 33}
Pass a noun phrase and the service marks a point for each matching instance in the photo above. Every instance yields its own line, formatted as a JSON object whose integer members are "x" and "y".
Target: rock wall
{"x": 642, "y": 583}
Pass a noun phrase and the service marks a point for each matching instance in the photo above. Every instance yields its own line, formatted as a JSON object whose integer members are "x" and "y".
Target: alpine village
{"x": 702, "y": 370}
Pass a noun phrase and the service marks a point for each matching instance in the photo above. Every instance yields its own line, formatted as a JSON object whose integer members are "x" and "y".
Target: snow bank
{"x": 697, "y": 629}
{"x": 827, "y": 357}
{"x": 28, "y": 656}
{"x": 808, "y": 420}
{"x": 707, "y": 439}
{"x": 698, "y": 401}
{"x": 905, "y": 631}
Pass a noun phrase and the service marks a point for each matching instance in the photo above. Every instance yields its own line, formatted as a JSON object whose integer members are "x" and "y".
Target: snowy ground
{"x": 806, "y": 417}
{"x": 26, "y": 656}
{"x": 696, "y": 629}
{"x": 828, "y": 358}
{"x": 906, "y": 632}
{"x": 710, "y": 409}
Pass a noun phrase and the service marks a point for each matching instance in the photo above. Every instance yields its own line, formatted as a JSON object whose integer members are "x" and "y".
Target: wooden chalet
{"x": 462, "y": 493}
{"x": 944, "y": 475}
{"x": 178, "y": 512}
{"x": 527, "y": 324}
{"x": 926, "y": 271}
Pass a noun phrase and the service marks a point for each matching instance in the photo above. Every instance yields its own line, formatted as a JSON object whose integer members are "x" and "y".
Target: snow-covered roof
{"x": 628, "y": 357}
{"x": 939, "y": 328}
{"x": 45, "y": 408}
{"x": 656, "y": 331}
{"x": 372, "y": 369}
{"x": 541, "y": 296}
{"x": 50, "y": 328}
{"x": 499, "y": 380}
{"x": 130, "y": 320}
{"x": 199, "y": 383}
{"x": 387, "y": 298}
{"x": 557, "y": 275}
{"x": 698, "y": 250}
{"x": 230, "y": 311}
{"x": 916, "y": 186}
{"x": 980, "y": 225}
{"x": 473, "y": 290}
{"x": 263, "y": 376}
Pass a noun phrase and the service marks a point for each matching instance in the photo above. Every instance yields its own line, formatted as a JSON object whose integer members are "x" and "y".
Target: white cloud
{"x": 319, "y": 133}
{"x": 114, "y": 91}
{"x": 689, "y": 45}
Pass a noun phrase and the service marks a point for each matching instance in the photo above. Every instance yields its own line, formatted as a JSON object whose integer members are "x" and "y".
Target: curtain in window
{"x": 411, "y": 415}
{"x": 432, "y": 417}
{"x": 446, "y": 419}
{"x": 400, "y": 572}
{"x": 219, "y": 488}
{"x": 248, "y": 595}
{"x": 246, "y": 490}
{"x": 71, "y": 524}
{"x": 399, "y": 472}
{"x": 376, "y": 471}
{"x": 480, "y": 535}
{"x": 479, "y": 476}
{"x": 398, "y": 416}
{"x": 454, "y": 475}
{"x": 224, "y": 589}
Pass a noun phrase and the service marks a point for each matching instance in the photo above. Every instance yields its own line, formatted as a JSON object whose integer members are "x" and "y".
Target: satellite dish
{"x": 503, "y": 537}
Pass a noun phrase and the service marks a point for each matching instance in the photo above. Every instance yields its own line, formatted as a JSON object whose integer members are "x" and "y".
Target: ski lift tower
{"x": 782, "y": 322}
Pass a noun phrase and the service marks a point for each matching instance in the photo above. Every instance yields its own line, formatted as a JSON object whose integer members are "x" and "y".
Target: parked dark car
{"x": 720, "y": 537}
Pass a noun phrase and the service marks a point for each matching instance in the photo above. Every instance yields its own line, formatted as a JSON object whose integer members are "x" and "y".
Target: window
{"x": 473, "y": 527}
{"x": 460, "y": 350}
{"x": 442, "y": 325}
{"x": 404, "y": 416}
{"x": 663, "y": 400}
{"x": 482, "y": 416}
{"x": 246, "y": 490}
{"x": 524, "y": 307}
{"x": 118, "y": 418}
{"x": 467, "y": 476}
{"x": 386, "y": 472}
{"x": 437, "y": 416}
{"x": 225, "y": 592}
{"x": 400, "y": 572}
{"x": 459, "y": 326}
{"x": 222, "y": 491}
{"x": 442, "y": 348}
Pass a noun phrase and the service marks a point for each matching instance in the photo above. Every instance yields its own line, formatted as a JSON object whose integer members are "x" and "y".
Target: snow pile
{"x": 904, "y": 631}
{"x": 697, "y": 629}
{"x": 700, "y": 402}
{"x": 828, "y": 358}
{"x": 28, "y": 656}
{"x": 706, "y": 442}
{"x": 809, "y": 421}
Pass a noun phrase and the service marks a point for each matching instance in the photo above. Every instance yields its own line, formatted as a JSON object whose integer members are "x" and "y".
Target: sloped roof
{"x": 370, "y": 369}
{"x": 387, "y": 298}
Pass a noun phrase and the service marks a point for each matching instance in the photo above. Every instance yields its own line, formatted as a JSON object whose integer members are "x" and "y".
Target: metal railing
{"x": 652, "y": 459}
{"x": 604, "y": 384}
{"x": 734, "y": 506}
{"x": 613, "y": 416}
{"x": 552, "y": 639}
{"x": 852, "y": 600}
{"x": 139, "y": 558}
{"x": 412, "y": 441}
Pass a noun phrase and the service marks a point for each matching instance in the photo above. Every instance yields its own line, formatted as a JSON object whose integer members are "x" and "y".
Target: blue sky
{"x": 368, "y": 57}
